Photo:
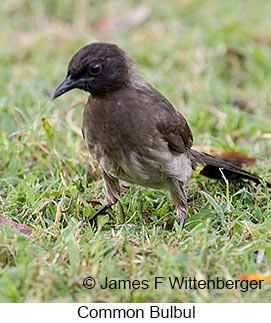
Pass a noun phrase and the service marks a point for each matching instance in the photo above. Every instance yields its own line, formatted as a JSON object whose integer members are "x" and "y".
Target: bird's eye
{"x": 95, "y": 69}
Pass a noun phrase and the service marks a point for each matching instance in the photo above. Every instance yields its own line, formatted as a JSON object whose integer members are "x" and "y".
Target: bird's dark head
{"x": 97, "y": 68}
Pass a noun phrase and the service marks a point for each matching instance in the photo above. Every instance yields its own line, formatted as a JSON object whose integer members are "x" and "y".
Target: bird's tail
{"x": 210, "y": 166}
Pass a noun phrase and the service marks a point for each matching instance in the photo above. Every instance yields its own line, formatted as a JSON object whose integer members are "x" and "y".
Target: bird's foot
{"x": 181, "y": 222}
{"x": 181, "y": 216}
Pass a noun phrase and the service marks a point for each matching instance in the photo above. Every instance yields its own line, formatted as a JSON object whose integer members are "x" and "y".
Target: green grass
{"x": 202, "y": 55}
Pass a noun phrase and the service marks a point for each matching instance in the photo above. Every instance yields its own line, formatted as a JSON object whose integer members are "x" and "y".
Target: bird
{"x": 134, "y": 132}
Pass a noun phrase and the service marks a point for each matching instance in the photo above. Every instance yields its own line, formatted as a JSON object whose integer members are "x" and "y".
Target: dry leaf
{"x": 243, "y": 105}
{"x": 23, "y": 228}
{"x": 47, "y": 127}
{"x": 237, "y": 158}
{"x": 94, "y": 203}
{"x": 110, "y": 23}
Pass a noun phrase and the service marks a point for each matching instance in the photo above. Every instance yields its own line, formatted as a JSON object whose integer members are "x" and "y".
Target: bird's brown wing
{"x": 172, "y": 125}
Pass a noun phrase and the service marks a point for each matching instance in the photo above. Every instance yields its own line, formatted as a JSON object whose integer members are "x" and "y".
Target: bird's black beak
{"x": 65, "y": 86}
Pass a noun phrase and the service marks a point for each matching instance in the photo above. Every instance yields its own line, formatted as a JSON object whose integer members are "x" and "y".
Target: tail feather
{"x": 212, "y": 165}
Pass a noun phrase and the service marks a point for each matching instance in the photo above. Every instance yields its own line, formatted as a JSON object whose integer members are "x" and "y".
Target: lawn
{"x": 212, "y": 59}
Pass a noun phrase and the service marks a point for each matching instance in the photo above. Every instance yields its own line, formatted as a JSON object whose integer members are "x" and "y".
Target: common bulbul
{"x": 133, "y": 131}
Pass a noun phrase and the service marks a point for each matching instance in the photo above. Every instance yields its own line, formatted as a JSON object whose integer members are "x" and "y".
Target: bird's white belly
{"x": 150, "y": 172}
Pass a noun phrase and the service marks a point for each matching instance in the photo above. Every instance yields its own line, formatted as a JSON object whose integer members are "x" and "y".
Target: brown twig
{"x": 34, "y": 142}
{"x": 68, "y": 207}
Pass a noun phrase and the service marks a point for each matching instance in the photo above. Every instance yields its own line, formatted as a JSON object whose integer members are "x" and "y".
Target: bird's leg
{"x": 179, "y": 200}
{"x": 101, "y": 210}
{"x": 193, "y": 197}
{"x": 112, "y": 196}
